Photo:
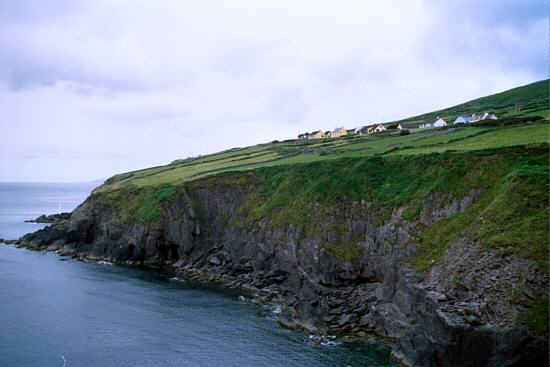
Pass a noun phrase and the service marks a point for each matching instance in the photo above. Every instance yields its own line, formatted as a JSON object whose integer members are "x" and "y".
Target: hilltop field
{"x": 523, "y": 120}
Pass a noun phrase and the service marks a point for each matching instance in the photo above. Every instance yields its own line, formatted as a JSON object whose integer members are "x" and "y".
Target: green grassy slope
{"x": 296, "y": 152}
{"x": 530, "y": 99}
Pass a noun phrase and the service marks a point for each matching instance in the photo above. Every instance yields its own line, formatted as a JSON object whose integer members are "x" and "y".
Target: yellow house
{"x": 316, "y": 135}
{"x": 338, "y": 132}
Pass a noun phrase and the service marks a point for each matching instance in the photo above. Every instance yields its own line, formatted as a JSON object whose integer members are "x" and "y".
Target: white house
{"x": 464, "y": 119}
{"x": 371, "y": 129}
{"x": 378, "y": 128}
{"x": 437, "y": 122}
{"x": 483, "y": 116}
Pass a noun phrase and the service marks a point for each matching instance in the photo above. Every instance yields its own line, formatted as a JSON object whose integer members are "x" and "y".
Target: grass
{"x": 536, "y": 317}
{"x": 143, "y": 205}
{"x": 494, "y": 138}
{"x": 530, "y": 99}
{"x": 519, "y": 102}
{"x": 297, "y": 152}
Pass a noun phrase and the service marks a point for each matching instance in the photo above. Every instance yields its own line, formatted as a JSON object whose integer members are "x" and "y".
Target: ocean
{"x": 57, "y": 311}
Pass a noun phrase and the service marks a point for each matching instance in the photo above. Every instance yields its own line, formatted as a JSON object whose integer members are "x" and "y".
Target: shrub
{"x": 507, "y": 121}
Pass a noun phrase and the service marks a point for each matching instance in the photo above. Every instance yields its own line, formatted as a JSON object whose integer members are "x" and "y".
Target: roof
{"x": 314, "y": 132}
{"x": 431, "y": 121}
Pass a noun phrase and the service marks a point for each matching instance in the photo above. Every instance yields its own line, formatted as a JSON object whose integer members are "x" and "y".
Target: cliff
{"x": 445, "y": 253}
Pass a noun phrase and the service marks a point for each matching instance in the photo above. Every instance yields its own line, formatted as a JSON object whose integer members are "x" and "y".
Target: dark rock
{"x": 214, "y": 260}
{"x": 329, "y": 318}
{"x": 345, "y": 320}
{"x": 52, "y": 218}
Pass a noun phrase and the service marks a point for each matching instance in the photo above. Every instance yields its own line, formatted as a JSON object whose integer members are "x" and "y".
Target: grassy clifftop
{"x": 468, "y": 138}
{"x": 523, "y": 103}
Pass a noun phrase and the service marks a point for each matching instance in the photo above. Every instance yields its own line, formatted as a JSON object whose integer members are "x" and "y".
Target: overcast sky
{"x": 91, "y": 89}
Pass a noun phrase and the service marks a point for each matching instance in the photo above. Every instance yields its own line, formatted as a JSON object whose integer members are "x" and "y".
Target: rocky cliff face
{"x": 347, "y": 269}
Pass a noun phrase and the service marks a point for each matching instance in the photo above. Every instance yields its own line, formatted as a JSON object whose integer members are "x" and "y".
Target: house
{"x": 394, "y": 127}
{"x": 483, "y": 116}
{"x": 302, "y": 136}
{"x": 363, "y": 130}
{"x": 327, "y": 134}
{"x": 338, "y": 132}
{"x": 378, "y": 128}
{"x": 463, "y": 119}
{"x": 350, "y": 132}
{"x": 371, "y": 129}
{"x": 437, "y": 122}
{"x": 316, "y": 135}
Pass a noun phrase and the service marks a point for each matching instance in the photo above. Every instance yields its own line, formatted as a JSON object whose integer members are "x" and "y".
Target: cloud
{"x": 114, "y": 86}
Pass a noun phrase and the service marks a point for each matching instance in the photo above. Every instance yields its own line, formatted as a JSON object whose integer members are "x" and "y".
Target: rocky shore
{"x": 464, "y": 311}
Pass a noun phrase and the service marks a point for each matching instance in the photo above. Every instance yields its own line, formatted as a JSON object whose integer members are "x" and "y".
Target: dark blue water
{"x": 55, "y": 309}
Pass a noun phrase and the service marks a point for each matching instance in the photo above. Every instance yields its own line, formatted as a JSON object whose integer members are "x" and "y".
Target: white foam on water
{"x": 325, "y": 340}
{"x": 277, "y": 310}
{"x": 331, "y": 343}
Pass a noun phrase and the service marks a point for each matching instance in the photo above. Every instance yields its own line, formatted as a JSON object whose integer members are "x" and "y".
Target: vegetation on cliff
{"x": 510, "y": 217}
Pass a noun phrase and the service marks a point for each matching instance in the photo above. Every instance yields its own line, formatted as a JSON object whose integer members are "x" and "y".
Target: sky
{"x": 92, "y": 89}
